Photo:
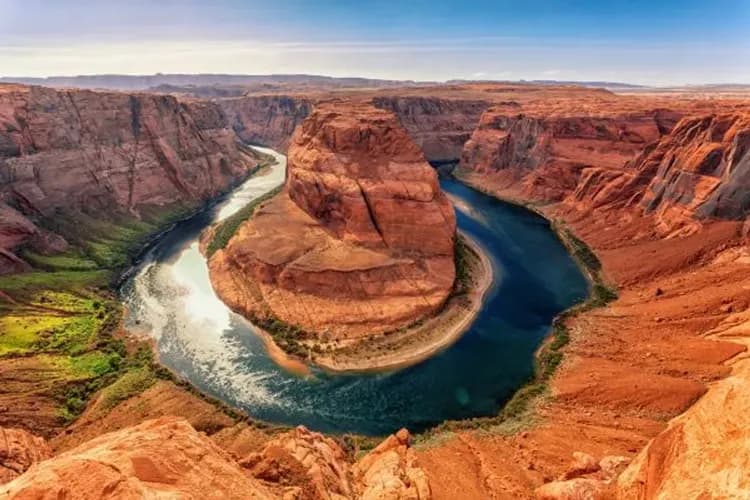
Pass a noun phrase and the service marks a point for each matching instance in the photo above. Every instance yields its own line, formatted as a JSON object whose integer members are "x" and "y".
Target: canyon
{"x": 650, "y": 394}
{"x": 86, "y": 152}
{"x": 359, "y": 242}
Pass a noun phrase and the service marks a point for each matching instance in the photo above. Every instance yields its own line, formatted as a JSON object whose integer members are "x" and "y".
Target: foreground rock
{"x": 19, "y": 450}
{"x": 391, "y": 471}
{"x": 360, "y": 241}
{"x": 162, "y": 458}
{"x": 707, "y": 449}
{"x": 167, "y": 458}
{"x": 309, "y": 464}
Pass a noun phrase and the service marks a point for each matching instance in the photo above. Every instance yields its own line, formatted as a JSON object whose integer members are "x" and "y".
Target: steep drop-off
{"x": 541, "y": 150}
{"x": 269, "y": 120}
{"x": 100, "y": 153}
{"x": 677, "y": 329}
{"x": 359, "y": 242}
{"x": 699, "y": 171}
{"x": 440, "y": 126}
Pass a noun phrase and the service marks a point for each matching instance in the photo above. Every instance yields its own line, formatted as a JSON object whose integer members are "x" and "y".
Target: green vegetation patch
{"x": 133, "y": 382}
{"x": 465, "y": 259}
{"x": 68, "y": 261}
{"x": 225, "y": 229}
{"x": 18, "y": 284}
{"x": 20, "y": 333}
{"x": 52, "y": 321}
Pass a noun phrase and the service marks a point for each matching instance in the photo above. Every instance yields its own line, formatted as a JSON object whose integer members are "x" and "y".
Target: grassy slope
{"x": 64, "y": 314}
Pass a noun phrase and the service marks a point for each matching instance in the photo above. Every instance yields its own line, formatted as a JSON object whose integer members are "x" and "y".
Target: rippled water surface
{"x": 170, "y": 298}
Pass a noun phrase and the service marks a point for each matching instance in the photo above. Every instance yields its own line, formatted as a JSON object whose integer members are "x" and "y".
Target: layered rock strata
{"x": 269, "y": 120}
{"x": 543, "y": 151}
{"x": 101, "y": 153}
{"x": 359, "y": 242}
{"x": 699, "y": 171}
{"x": 439, "y": 126}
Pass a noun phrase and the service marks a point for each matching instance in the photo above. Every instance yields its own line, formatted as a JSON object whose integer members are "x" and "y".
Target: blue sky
{"x": 656, "y": 42}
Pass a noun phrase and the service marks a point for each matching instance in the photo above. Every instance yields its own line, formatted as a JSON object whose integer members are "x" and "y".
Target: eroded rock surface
{"x": 544, "y": 149}
{"x": 439, "y": 126}
{"x": 266, "y": 119}
{"x": 19, "y": 450}
{"x": 311, "y": 465}
{"x": 164, "y": 458}
{"x": 98, "y": 152}
{"x": 359, "y": 242}
{"x": 391, "y": 470}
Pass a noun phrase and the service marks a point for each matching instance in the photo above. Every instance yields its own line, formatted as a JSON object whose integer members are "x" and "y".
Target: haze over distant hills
{"x": 229, "y": 85}
{"x": 143, "y": 82}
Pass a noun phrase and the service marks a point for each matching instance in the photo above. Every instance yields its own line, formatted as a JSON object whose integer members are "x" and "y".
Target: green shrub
{"x": 225, "y": 229}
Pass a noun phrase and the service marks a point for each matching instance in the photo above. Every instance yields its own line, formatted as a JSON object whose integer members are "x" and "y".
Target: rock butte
{"x": 359, "y": 242}
{"x": 654, "y": 383}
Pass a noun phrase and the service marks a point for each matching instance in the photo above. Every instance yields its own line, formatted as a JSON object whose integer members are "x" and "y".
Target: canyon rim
{"x": 455, "y": 278}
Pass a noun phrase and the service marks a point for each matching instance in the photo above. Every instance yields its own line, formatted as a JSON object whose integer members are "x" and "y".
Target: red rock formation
{"x": 545, "y": 149}
{"x": 158, "y": 458}
{"x": 269, "y": 120}
{"x": 166, "y": 457}
{"x": 701, "y": 170}
{"x": 102, "y": 152}
{"x": 360, "y": 241}
{"x": 19, "y": 450}
{"x": 391, "y": 470}
{"x": 439, "y": 125}
{"x": 706, "y": 449}
{"x": 312, "y": 465}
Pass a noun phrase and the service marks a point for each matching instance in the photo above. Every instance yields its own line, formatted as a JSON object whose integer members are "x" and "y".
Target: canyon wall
{"x": 359, "y": 242}
{"x": 268, "y": 120}
{"x": 697, "y": 172}
{"x": 541, "y": 150}
{"x": 680, "y": 164}
{"x": 439, "y": 126}
{"x": 104, "y": 152}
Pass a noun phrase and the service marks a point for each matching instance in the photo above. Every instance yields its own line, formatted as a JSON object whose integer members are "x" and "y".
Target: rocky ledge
{"x": 167, "y": 458}
{"x": 359, "y": 243}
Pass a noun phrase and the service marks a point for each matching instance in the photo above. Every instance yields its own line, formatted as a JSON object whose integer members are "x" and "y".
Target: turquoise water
{"x": 170, "y": 298}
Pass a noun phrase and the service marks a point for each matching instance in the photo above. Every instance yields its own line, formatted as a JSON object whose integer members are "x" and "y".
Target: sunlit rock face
{"x": 699, "y": 171}
{"x": 162, "y": 458}
{"x": 105, "y": 152}
{"x": 543, "y": 149}
{"x": 359, "y": 242}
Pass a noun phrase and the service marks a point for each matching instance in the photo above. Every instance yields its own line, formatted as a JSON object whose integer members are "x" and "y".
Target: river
{"x": 169, "y": 298}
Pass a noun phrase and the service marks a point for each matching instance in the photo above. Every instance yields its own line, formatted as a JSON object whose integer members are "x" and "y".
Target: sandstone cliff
{"x": 439, "y": 126}
{"x": 359, "y": 242}
{"x": 542, "y": 150}
{"x": 268, "y": 120}
{"x": 158, "y": 458}
{"x": 104, "y": 152}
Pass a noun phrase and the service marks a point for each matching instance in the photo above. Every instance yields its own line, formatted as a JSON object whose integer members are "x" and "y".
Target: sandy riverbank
{"x": 413, "y": 345}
